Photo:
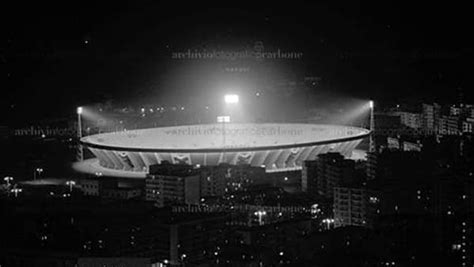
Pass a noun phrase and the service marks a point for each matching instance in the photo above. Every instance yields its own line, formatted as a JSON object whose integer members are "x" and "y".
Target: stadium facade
{"x": 276, "y": 147}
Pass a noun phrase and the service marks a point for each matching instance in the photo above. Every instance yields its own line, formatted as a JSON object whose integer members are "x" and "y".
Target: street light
{"x": 183, "y": 258}
{"x": 8, "y": 179}
{"x": 16, "y": 191}
{"x": 80, "y": 152}
{"x": 260, "y": 214}
{"x": 328, "y": 222}
{"x": 38, "y": 171}
{"x": 70, "y": 184}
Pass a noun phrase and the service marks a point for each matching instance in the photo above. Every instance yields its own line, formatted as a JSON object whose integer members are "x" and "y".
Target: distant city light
{"x": 79, "y": 110}
{"x": 371, "y": 104}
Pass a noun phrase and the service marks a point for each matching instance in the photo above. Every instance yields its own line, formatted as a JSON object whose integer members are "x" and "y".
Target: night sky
{"x": 54, "y": 57}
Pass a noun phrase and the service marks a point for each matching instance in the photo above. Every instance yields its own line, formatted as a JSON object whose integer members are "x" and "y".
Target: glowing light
{"x": 223, "y": 118}
{"x": 371, "y": 104}
{"x": 79, "y": 110}
{"x": 16, "y": 191}
{"x": 231, "y": 99}
{"x": 260, "y": 214}
{"x": 8, "y": 179}
{"x": 71, "y": 183}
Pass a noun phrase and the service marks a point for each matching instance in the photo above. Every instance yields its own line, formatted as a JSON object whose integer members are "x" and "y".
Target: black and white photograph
{"x": 191, "y": 134}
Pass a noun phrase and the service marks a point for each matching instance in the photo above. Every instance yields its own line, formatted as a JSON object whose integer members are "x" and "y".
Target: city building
{"x": 385, "y": 124}
{"x": 96, "y": 186}
{"x": 455, "y": 110}
{"x": 388, "y": 164}
{"x": 449, "y": 125}
{"x": 431, "y": 114}
{"x": 410, "y": 119}
{"x": 122, "y": 193}
{"x": 467, "y": 125}
{"x": 308, "y": 176}
{"x": 168, "y": 184}
{"x": 175, "y": 239}
{"x": 404, "y": 145}
{"x": 354, "y": 206}
{"x": 217, "y": 180}
{"x": 326, "y": 172}
{"x": 214, "y": 180}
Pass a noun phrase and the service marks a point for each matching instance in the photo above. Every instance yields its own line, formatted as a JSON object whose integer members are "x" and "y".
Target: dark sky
{"x": 54, "y": 57}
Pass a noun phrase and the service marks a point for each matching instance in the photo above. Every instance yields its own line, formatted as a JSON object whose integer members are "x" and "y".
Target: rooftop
{"x": 223, "y": 136}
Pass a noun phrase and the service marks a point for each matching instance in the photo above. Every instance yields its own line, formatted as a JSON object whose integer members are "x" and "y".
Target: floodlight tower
{"x": 230, "y": 99}
{"x": 371, "y": 140}
{"x": 80, "y": 151}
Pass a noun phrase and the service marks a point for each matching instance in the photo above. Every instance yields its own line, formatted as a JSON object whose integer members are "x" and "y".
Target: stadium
{"x": 276, "y": 147}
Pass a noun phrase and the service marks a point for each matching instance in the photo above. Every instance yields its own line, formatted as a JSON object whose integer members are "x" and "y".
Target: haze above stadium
{"x": 94, "y": 53}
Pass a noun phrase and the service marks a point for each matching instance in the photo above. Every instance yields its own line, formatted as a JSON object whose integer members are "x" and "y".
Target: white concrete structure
{"x": 277, "y": 147}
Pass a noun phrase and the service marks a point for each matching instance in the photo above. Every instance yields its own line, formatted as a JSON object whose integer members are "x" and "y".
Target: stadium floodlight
{"x": 231, "y": 99}
{"x": 223, "y": 118}
{"x": 79, "y": 110}
{"x": 371, "y": 104}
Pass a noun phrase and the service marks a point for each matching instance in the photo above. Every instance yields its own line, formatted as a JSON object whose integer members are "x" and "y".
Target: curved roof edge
{"x": 218, "y": 150}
